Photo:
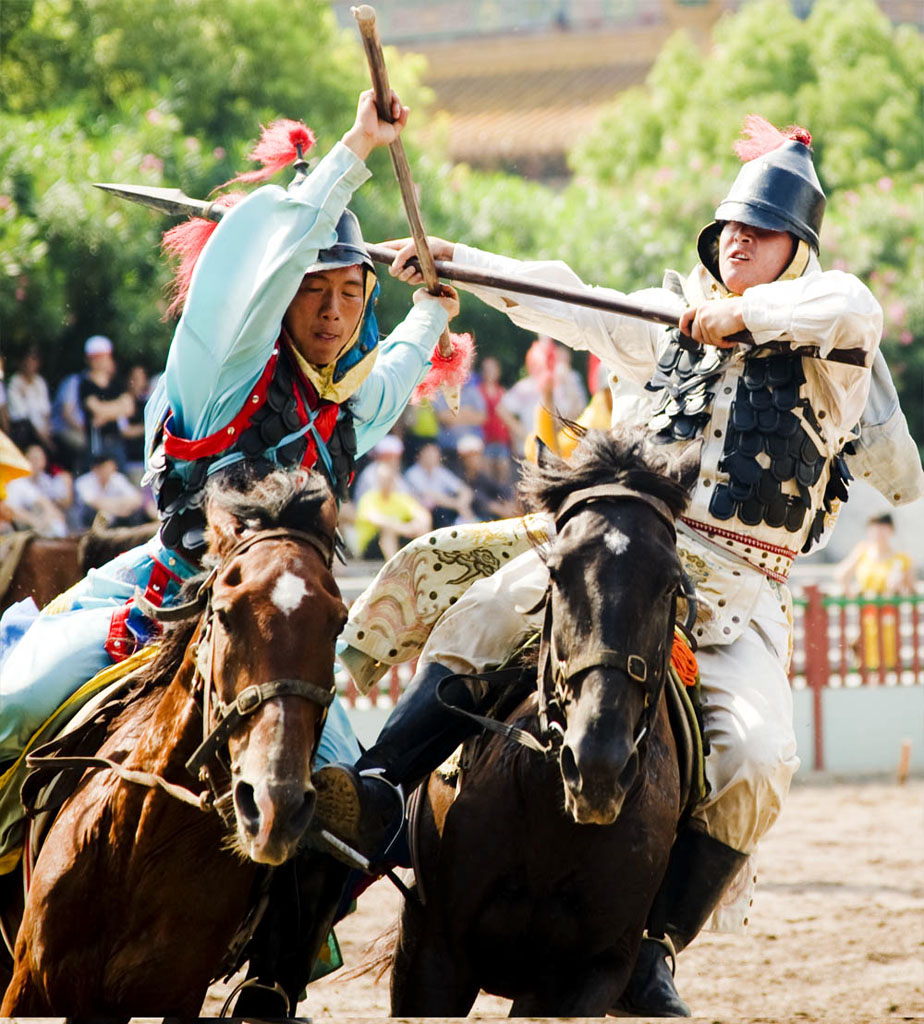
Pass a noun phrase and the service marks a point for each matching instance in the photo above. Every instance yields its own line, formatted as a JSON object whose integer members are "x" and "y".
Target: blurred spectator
{"x": 561, "y": 437}
{"x": 496, "y": 432}
{"x": 105, "y": 490}
{"x": 545, "y": 362}
{"x": 67, "y": 424}
{"x": 29, "y": 404}
{"x": 468, "y": 420}
{"x": 13, "y": 464}
{"x": 103, "y": 401}
{"x": 38, "y": 502}
{"x": 439, "y": 490}
{"x": 132, "y": 427}
{"x": 387, "y": 518}
{"x": 389, "y": 449}
{"x": 490, "y": 500}
{"x": 421, "y": 426}
{"x": 875, "y": 569}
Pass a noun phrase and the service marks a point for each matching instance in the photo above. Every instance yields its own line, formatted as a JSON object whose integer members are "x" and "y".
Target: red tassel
{"x": 277, "y": 148}
{"x": 184, "y": 243}
{"x": 763, "y": 137}
{"x": 452, "y": 370}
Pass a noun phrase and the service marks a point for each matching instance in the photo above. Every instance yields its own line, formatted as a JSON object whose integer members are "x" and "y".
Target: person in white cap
{"x": 389, "y": 449}
{"x": 103, "y": 401}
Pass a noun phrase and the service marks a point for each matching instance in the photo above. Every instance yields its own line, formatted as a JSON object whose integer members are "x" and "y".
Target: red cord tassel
{"x": 761, "y": 137}
{"x": 452, "y": 370}
{"x": 278, "y": 147}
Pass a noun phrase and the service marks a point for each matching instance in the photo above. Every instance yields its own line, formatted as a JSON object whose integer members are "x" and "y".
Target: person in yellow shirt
{"x": 386, "y": 518}
{"x": 559, "y": 436}
{"x": 874, "y": 569}
{"x": 13, "y": 464}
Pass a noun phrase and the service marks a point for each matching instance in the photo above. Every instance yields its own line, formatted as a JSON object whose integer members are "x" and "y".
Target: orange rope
{"x": 683, "y": 661}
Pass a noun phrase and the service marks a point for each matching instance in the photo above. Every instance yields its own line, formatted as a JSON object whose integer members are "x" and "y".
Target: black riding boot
{"x": 698, "y": 872}
{"x": 420, "y": 734}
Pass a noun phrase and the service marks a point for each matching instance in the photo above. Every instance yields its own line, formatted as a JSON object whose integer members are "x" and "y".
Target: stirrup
{"x": 275, "y": 988}
{"x": 669, "y": 948}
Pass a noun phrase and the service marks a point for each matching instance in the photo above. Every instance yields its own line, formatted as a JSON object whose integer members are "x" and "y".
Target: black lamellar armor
{"x": 773, "y": 435}
{"x": 282, "y": 413}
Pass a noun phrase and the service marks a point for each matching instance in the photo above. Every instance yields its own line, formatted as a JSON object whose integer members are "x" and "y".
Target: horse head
{"x": 266, "y": 651}
{"x": 614, "y": 577}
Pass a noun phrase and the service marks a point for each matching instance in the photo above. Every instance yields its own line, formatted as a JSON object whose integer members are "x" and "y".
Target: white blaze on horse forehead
{"x": 616, "y": 541}
{"x": 288, "y": 592}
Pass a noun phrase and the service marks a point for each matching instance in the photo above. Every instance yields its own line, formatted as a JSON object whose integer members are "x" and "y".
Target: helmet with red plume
{"x": 776, "y": 189}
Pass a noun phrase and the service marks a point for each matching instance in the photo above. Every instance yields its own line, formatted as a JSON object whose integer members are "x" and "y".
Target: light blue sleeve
{"x": 401, "y": 364}
{"x": 244, "y": 280}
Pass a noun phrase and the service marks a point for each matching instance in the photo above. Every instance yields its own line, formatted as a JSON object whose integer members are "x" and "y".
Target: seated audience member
{"x": 438, "y": 489}
{"x": 105, "y": 490}
{"x": 490, "y": 500}
{"x": 387, "y": 518}
{"x": 389, "y": 449}
{"x": 131, "y": 427}
{"x": 67, "y": 424}
{"x": 29, "y": 404}
{"x": 468, "y": 420}
{"x": 37, "y": 501}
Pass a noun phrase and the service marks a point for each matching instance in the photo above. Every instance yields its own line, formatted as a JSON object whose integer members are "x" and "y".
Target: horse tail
{"x": 377, "y": 957}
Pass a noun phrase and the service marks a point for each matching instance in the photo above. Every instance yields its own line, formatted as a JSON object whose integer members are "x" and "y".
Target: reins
{"x": 227, "y": 717}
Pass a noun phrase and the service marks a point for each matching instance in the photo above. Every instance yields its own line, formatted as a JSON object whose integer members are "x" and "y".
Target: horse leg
{"x": 589, "y": 992}
{"x": 427, "y": 980}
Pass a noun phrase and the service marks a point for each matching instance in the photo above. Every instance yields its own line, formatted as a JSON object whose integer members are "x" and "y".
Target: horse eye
{"x": 224, "y": 617}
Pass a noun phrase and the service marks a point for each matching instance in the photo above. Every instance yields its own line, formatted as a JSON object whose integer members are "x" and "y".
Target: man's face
{"x": 750, "y": 256}
{"x": 324, "y": 314}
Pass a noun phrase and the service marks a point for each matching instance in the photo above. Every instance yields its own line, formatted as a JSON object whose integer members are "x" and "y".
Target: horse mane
{"x": 623, "y": 455}
{"x": 259, "y": 499}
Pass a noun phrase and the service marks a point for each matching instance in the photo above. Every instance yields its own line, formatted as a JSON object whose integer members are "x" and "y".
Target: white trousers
{"x": 746, "y": 695}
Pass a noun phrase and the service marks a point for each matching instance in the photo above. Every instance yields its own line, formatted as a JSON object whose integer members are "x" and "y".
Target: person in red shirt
{"x": 495, "y": 432}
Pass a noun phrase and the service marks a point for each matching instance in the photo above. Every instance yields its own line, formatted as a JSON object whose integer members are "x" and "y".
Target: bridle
{"x": 205, "y": 763}
{"x": 557, "y": 674}
{"x": 227, "y": 718}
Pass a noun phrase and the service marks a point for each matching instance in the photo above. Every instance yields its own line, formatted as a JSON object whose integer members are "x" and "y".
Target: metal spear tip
{"x": 167, "y": 200}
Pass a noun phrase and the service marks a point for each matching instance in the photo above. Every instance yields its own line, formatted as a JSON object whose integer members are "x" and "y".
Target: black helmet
{"x": 778, "y": 191}
{"x": 347, "y": 251}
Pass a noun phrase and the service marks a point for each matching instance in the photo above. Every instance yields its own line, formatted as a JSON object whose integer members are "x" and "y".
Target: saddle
{"x": 76, "y": 724}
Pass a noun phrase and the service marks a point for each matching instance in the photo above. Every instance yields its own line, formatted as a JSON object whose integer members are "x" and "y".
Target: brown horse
{"x": 136, "y": 893}
{"x": 48, "y": 566}
{"x": 538, "y": 878}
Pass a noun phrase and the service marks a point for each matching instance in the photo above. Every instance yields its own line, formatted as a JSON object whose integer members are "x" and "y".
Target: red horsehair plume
{"x": 184, "y": 243}
{"x": 452, "y": 370}
{"x": 763, "y": 137}
{"x": 277, "y": 148}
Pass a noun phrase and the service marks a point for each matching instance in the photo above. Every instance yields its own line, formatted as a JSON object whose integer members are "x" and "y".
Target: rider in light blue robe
{"x": 232, "y": 327}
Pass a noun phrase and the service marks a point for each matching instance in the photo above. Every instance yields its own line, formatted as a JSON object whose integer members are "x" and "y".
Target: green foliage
{"x": 174, "y": 96}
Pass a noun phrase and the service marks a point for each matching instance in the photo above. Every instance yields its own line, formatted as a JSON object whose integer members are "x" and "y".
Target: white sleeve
{"x": 627, "y": 345}
{"x": 830, "y": 309}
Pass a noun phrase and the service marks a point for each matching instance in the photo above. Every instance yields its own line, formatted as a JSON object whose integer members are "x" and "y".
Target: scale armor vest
{"x": 181, "y": 502}
{"x": 763, "y": 422}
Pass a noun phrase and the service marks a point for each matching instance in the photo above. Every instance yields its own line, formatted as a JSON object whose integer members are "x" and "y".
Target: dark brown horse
{"x": 137, "y": 891}
{"x": 539, "y": 876}
{"x": 46, "y": 567}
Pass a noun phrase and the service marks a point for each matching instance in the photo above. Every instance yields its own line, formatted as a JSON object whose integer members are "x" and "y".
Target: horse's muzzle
{"x": 272, "y": 817}
{"x": 597, "y": 778}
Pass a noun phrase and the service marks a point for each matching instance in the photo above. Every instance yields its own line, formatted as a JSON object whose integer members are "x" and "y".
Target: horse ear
{"x": 544, "y": 454}
{"x": 225, "y": 529}
{"x": 686, "y": 468}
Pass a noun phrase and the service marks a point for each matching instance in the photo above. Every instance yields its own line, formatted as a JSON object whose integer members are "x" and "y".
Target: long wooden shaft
{"x": 365, "y": 19}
